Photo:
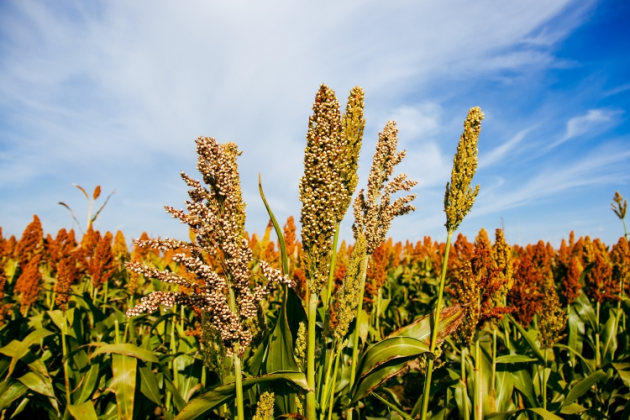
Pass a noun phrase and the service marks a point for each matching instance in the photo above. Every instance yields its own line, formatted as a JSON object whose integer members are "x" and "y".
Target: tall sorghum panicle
{"x": 216, "y": 216}
{"x": 349, "y": 294}
{"x": 458, "y": 200}
{"x": 374, "y": 210}
{"x": 620, "y": 258}
{"x": 553, "y": 318}
{"x": 619, "y": 207}
{"x": 322, "y": 187}
{"x": 352, "y": 125}
{"x": 30, "y": 250}
{"x": 459, "y": 196}
{"x": 482, "y": 284}
{"x": 600, "y": 283}
{"x": 6, "y": 253}
{"x": 525, "y": 296}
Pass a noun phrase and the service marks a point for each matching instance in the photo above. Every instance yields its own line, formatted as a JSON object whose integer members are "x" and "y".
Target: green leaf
{"x": 379, "y": 375}
{"x": 88, "y": 385}
{"x": 544, "y": 414}
{"x": 124, "y": 383}
{"x": 532, "y": 344}
{"x": 180, "y": 403}
{"x": 11, "y": 348}
{"x": 389, "y": 349}
{"x": 504, "y": 390}
{"x": 280, "y": 357}
{"x": 623, "y": 373}
{"x": 83, "y": 411}
{"x": 201, "y": 406}
{"x": 11, "y": 393}
{"x": 514, "y": 358}
{"x": 583, "y": 306}
{"x": 574, "y": 408}
{"x": 38, "y": 383}
{"x": 523, "y": 383}
{"x": 127, "y": 349}
{"x": 609, "y": 340}
{"x": 420, "y": 329}
{"x": 22, "y": 349}
{"x": 276, "y": 226}
{"x": 149, "y": 385}
{"x": 583, "y": 386}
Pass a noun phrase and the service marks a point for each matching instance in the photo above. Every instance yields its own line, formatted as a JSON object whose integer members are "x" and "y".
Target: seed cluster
{"x": 374, "y": 211}
{"x": 459, "y": 196}
{"x": 321, "y": 188}
{"x": 216, "y": 218}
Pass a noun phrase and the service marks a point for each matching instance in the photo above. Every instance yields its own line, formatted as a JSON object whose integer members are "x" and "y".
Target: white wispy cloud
{"x": 605, "y": 165}
{"x": 498, "y": 153}
{"x": 594, "y": 121}
{"x": 115, "y": 92}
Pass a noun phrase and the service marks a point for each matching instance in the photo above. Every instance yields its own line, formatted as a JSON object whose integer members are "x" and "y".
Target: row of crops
{"x": 233, "y": 326}
{"x": 559, "y": 343}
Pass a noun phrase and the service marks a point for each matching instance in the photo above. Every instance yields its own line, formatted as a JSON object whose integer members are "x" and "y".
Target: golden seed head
{"x": 352, "y": 125}
{"x": 264, "y": 408}
{"x": 349, "y": 294}
{"x": 459, "y": 196}
{"x": 553, "y": 319}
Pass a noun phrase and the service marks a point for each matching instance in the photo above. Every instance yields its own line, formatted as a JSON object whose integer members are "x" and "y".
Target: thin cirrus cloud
{"x": 115, "y": 92}
{"x": 593, "y": 121}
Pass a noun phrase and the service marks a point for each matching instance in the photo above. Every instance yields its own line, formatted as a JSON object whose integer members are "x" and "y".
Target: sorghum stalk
{"x": 434, "y": 331}
{"x": 331, "y": 401}
{"x": 466, "y": 415}
{"x": 66, "y": 372}
{"x": 458, "y": 200}
{"x": 494, "y": 366}
{"x": 310, "y": 356}
{"x": 373, "y": 215}
{"x": 355, "y": 335}
{"x": 479, "y": 383}
{"x": 597, "y": 346}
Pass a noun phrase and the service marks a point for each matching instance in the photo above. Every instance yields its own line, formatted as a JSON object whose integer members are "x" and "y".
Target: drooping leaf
{"x": 583, "y": 386}
{"x": 127, "y": 349}
{"x": 420, "y": 329}
{"x": 11, "y": 392}
{"x": 124, "y": 383}
{"x": 389, "y": 349}
{"x": 583, "y": 307}
{"x": 38, "y": 383}
{"x": 29, "y": 340}
{"x": 202, "y": 405}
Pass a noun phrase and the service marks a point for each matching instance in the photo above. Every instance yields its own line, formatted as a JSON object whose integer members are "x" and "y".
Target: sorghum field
{"x": 237, "y": 325}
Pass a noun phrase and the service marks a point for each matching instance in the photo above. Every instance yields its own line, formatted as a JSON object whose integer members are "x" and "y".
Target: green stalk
{"x": 478, "y": 379}
{"x": 173, "y": 348}
{"x": 66, "y": 372}
{"x": 236, "y": 361}
{"x": 324, "y": 389}
{"x": 466, "y": 415}
{"x": 355, "y": 334}
{"x": 494, "y": 367}
{"x": 239, "y": 386}
{"x": 597, "y": 355}
{"x": 331, "y": 403}
{"x": 310, "y": 358}
{"x": 434, "y": 330}
{"x": 543, "y": 391}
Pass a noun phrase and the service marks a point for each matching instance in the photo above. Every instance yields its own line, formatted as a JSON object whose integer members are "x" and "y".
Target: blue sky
{"x": 115, "y": 93}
